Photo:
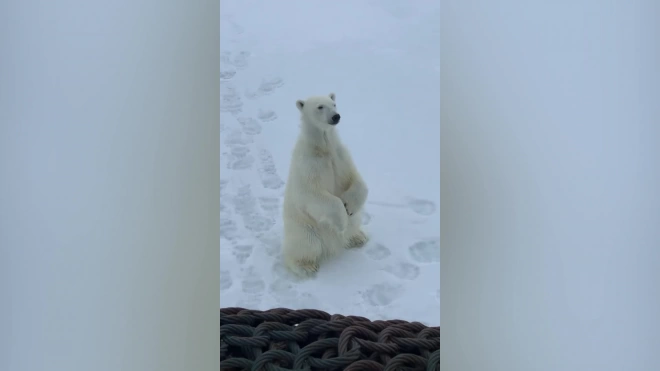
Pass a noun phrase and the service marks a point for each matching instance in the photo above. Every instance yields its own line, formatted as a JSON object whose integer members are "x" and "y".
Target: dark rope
{"x": 283, "y": 339}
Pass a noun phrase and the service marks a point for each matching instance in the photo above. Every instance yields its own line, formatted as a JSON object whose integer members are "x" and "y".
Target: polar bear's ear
{"x": 332, "y": 96}
{"x": 300, "y": 104}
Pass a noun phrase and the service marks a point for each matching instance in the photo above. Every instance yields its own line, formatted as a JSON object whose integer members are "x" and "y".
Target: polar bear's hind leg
{"x": 302, "y": 250}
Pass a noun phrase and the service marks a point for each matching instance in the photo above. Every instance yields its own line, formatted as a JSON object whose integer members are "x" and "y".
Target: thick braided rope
{"x": 284, "y": 339}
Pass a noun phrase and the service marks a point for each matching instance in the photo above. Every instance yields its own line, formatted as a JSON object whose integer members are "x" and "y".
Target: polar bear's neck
{"x": 323, "y": 140}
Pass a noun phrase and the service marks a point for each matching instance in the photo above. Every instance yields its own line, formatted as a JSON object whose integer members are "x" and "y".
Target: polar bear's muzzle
{"x": 335, "y": 119}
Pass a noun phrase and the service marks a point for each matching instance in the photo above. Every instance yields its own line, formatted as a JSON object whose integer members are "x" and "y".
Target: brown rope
{"x": 283, "y": 339}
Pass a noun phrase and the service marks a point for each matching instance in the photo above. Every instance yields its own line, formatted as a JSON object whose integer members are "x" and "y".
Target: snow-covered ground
{"x": 382, "y": 59}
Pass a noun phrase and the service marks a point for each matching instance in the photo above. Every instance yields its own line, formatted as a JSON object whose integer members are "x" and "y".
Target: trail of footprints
{"x": 230, "y": 99}
{"x": 242, "y": 252}
{"x": 267, "y": 86}
{"x": 245, "y": 205}
{"x": 256, "y": 214}
{"x": 250, "y": 125}
{"x": 268, "y": 172}
{"x": 421, "y": 252}
{"x": 382, "y": 294}
{"x": 422, "y": 207}
{"x": 267, "y": 115}
{"x": 228, "y": 228}
{"x": 252, "y": 288}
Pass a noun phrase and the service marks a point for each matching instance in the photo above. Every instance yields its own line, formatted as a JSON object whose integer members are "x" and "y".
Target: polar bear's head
{"x": 320, "y": 111}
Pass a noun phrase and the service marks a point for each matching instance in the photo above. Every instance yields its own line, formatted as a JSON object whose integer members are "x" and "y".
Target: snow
{"x": 382, "y": 60}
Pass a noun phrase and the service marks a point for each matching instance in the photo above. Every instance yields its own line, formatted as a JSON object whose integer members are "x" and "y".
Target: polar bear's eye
{"x": 320, "y": 107}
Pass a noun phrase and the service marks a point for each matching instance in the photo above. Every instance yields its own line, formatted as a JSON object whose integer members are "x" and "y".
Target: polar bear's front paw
{"x": 351, "y": 208}
{"x": 338, "y": 221}
{"x": 357, "y": 240}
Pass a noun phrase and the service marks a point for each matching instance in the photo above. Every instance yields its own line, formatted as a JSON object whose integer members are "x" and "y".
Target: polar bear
{"x": 324, "y": 193}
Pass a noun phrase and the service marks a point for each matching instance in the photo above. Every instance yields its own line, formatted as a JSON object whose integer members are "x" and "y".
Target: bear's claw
{"x": 347, "y": 212}
{"x": 308, "y": 266}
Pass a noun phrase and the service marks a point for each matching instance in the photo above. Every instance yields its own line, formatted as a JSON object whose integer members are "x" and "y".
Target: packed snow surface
{"x": 382, "y": 59}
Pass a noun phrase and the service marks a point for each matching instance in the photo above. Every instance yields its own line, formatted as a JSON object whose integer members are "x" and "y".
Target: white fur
{"x": 323, "y": 188}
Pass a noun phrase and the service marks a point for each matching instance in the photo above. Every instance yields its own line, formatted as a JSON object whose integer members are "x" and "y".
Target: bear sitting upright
{"x": 324, "y": 193}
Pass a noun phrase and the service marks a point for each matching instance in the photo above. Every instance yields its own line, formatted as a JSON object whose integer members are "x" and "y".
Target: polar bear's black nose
{"x": 335, "y": 118}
